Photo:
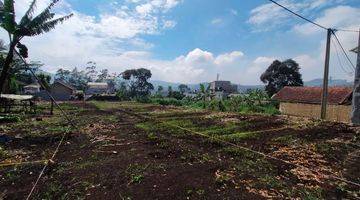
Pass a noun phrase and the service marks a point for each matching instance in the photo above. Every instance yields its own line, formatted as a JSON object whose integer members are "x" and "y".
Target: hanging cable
{"x": 63, "y": 136}
{"x": 306, "y": 19}
{"x": 293, "y": 12}
{"x": 339, "y": 59}
{"x": 343, "y": 50}
{"x": 347, "y": 30}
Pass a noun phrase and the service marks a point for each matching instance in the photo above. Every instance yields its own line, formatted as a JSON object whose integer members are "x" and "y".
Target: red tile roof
{"x": 312, "y": 95}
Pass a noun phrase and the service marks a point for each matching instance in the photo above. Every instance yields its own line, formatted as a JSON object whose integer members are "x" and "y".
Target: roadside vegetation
{"x": 253, "y": 101}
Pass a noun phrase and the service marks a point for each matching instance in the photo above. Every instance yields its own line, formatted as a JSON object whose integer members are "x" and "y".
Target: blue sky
{"x": 191, "y": 41}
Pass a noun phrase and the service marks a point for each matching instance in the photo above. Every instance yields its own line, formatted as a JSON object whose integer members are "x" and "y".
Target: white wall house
{"x": 97, "y": 88}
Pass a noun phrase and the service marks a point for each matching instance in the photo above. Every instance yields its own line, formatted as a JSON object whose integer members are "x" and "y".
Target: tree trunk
{"x": 9, "y": 59}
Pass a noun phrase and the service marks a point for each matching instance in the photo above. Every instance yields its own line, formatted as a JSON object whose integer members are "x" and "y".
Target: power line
{"x": 302, "y": 17}
{"x": 343, "y": 50}
{"x": 63, "y": 136}
{"x": 347, "y": 30}
{"x": 339, "y": 60}
{"x": 308, "y": 20}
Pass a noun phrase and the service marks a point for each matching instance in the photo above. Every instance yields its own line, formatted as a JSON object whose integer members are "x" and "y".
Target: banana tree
{"x": 28, "y": 26}
{"x": 204, "y": 93}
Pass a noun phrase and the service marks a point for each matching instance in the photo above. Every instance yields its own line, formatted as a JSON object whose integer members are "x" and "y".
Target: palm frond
{"x": 43, "y": 17}
{"x": 47, "y": 26}
{"x": 7, "y": 14}
{"x": 29, "y": 14}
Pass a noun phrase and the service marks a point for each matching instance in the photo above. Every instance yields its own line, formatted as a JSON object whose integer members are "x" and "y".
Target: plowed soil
{"x": 122, "y": 151}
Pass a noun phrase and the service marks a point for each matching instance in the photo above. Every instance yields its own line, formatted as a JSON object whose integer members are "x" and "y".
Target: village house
{"x": 59, "y": 90}
{"x": 97, "y": 88}
{"x": 222, "y": 89}
{"x": 306, "y": 102}
{"x": 31, "y": 89}
{"x": 62, "y": 91}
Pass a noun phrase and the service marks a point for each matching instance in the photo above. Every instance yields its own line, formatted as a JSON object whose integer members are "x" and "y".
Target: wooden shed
{"x": 59, "y": 90}
{"x": 62, "y": 91}
{"x": 306, "y": 102}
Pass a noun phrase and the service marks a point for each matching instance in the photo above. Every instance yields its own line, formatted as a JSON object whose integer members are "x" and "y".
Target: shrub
{"x": 217, "y": 105}
{"x": 9, "y": 119}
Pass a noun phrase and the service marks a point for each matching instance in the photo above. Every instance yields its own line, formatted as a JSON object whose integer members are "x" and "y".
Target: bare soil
{"x": 112, "y": 157}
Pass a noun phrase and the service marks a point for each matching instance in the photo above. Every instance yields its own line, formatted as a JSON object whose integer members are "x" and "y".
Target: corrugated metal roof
{"x": 16, "y": 97}
{"x": 97, "y": 85}
{"x": 32, "y": 86}
{"x": 337, "y": 95}
{"x": 63, "y": 84}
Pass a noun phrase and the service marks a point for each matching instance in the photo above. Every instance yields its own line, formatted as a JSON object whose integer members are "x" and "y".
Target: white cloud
{"x": 268, "y": 16}
{"x": 168, "y": 24}
{"x": 216, "y": 21}
{"x": 102, "y": 39}
{"x": 198, "y": 56}
{"x": 307, "y": 62}
{"x": 259, "y": 65}
{"x": 337, "y": 17}
{"x": 228, "y": 58}
{"x": 144, "y": 9}
{"x": 234, "y": 12}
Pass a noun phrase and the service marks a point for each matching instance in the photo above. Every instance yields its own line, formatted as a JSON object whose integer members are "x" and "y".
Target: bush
{"x": 9, "y": 119}
{"x": 103, "y": 98}
{"x": 167, "y": 101}
{"x": 217, "y": 105}
{"x": 251, "y": 102}
{"x": 143, "y": 99}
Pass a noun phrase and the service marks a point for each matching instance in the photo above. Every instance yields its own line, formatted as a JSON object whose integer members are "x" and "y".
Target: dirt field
{"x": 137, "y": 151}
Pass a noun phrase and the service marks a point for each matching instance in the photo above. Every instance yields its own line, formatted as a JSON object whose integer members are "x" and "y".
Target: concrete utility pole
{"x": 355, "y": 115}
{"x": 326, "y": 76}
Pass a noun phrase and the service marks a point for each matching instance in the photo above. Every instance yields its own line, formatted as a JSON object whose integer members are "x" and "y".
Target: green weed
{"x": 135, "y": 172}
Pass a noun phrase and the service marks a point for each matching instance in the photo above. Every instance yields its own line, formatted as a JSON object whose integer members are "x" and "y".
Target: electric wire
{"x": 302, "y": 17}
{"x": 339, "y": 60}
{"x": 308, "y": 20}
{"x": 63, "y": 136}
{"x": 343, "y": 50}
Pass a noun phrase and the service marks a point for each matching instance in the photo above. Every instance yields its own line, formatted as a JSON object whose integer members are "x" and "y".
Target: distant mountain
{"x": 164, "y": 84}
{"x": 332, "y": 82}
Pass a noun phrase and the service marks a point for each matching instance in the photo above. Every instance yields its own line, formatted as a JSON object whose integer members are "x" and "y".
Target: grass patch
{"x": 287, "y": 139}
{"x": 240, "y": 136}
{"x": 135, "y": 173}
{"x": 9, "y": 119}
{"x": 3, "y": 153}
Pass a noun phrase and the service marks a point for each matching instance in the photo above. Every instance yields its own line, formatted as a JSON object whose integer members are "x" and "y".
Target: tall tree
{"x": 183, "y": 88}
{"x": 281, "y": 74}
{"x": 27, "y": 27}
{"x": 159, "y": 91}
{"x": 138, "y": 82}
{"x": 18, "y": 72}
{"x": 91, "y": 72}
{"x": 45, "y": 80}
{"x": 103, "y": 75}
{"x": 170, "y": 91}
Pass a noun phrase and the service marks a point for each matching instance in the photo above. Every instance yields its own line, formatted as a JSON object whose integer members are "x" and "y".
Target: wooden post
{"x": 326, "y": 76}
{"x": 355, "y": 114}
